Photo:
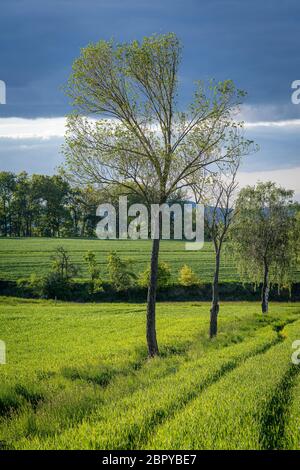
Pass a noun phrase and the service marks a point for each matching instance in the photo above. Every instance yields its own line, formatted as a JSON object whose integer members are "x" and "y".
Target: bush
{"x": 55, "y": 285}
{"x": 58, "y": 282}
{"x": 120, "y": 275}
{"x": 35, "y": 283}
{"x": 163, "y": 276}
{"x": 96, "y": 284}
{"x": 187, "y": 277}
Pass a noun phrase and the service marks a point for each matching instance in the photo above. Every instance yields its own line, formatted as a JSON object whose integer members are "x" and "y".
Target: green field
{"x": 20, "y": 257}
{"x": 77, "y": 376}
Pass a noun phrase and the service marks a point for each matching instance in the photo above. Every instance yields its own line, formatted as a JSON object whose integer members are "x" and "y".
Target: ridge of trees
{"x": 48, "y": 206}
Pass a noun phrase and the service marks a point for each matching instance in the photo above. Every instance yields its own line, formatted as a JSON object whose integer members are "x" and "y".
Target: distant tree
{"x": 219, "y": 200}
{"x": 120, "y": 272}
{"x": 81, "y": 204}
{"x": 52, "y": 193}
{"x": 142, "y": 141}
{"x": 62, "y": 264}
{"x": 163, "y": 275}
{"x": 94, "y": 271}
{"x": 187, "y": 277}
{"x": 265, "y": 236}
{"x": 7, "y": 187}
{"x": 58, "y": 281}
{"x": 24, "y": 206}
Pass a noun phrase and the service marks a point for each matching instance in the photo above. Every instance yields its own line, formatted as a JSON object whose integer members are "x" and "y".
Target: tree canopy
{"x": 265, "y": 234}
{"x": 140, "y": 135}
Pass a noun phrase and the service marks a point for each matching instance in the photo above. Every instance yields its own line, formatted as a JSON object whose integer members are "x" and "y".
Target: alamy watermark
{"x": 186, "y": 220}
{"x": 296, "y": 354}
{"x": 2, "y": 352}
{"x": 2, "y": 92}
{"x": 296, "y": 93}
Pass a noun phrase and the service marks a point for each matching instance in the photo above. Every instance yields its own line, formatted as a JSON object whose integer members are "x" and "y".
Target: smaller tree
{"x": 62, "y": 264}
{"x": 219, "y": 200}
{"x": 264, "y": 238}
{"x": 94, "y": 271}
{"x": 121, "y": 276}
{"x": 163, "y": 276}
{"x": 58, "y": 281}
{"x": 187, "y": 277}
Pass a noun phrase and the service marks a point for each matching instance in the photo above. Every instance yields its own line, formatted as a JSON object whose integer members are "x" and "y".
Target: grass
{"x": 291, "y": 437}
{"x": 78, "y": 377}
{"x": 244, "y": 410}
{"x": 21, "y": 257}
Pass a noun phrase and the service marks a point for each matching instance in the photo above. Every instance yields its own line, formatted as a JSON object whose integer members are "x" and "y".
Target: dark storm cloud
{"x": 253, "y": 42}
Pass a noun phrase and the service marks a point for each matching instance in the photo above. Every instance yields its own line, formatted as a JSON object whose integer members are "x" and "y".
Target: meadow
{"x": 77, "y": 377}
{"x": 20, "y": 257}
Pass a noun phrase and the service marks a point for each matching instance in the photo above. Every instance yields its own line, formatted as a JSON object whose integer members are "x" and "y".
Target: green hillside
{"x": 20, "y": 257}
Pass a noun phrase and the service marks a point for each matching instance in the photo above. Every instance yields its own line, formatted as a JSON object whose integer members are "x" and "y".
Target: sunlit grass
{"x": 78, "y": 375}
{"x": 19, "y": 258}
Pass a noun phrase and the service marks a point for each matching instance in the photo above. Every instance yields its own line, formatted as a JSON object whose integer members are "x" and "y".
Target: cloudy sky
{"x": 255, "y": 43}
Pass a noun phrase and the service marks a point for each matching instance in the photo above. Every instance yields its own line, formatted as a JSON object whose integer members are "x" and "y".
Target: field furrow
{"x": 291, "y": 437}
{"x": 77, "y": 375}
{"x": 132, "y": 420}
{"x": 233, "y": 413}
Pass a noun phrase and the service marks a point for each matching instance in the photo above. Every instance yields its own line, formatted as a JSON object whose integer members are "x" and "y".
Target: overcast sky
{"x": 255, "y": 43}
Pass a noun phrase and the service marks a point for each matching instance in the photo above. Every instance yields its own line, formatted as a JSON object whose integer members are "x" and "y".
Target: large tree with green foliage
{"x": 265, "y": 236}
{"x": 141, "y": 140}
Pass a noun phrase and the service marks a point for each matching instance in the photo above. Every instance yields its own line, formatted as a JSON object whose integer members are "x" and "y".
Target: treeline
{"x": 47, "y": 206}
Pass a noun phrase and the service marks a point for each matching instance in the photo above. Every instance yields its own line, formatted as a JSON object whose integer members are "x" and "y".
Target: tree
{"x": 57, "y": 282}
{"x": 62, "y": 264}
{"x": 81, "y": 205}
{"x": 52, "y": 193}
{"x": 94, "y": 271}
{"x": 7, "y": 187}
{"x": 264, "y": 236}
{"x": 187, "y": 277}
{"x": 24, "y": 207}
{"x": 163, "y": 275}
{"x": 120, "y": 275}
{"x": 141, "y": 140}
{"x": 220, "y": 190}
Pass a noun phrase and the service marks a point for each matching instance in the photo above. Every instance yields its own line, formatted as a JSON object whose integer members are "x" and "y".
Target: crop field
{"x": 20, "y": 257}
{"x": 77, "y": 377}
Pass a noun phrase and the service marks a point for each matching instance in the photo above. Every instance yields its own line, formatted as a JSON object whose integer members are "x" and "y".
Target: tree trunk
{"x": 265, "y": 290}
{"x": 83, "y": 227}
{"x": 5, "y": 222}
{"x": 151, "y": 301}
{"x": 213, "y": 328}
